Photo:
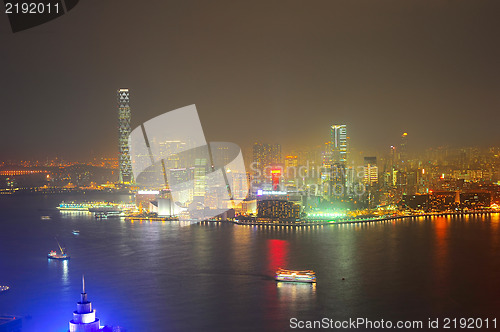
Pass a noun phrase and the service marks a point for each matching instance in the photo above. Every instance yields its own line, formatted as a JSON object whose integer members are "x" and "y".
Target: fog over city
{"x": 258, "y": 71}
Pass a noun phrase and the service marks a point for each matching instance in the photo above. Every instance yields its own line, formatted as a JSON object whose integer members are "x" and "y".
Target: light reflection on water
{"x": 61, "y": 268}
{"x": 296, "y": 296}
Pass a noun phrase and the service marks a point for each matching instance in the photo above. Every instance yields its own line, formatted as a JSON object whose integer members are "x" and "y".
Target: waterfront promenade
{"x": 309, "y": 223}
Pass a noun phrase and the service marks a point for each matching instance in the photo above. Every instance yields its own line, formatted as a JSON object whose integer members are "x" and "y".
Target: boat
{"x": 307, "y": 276}
{"x": 45, "y": 217}
{"x": 55, "y": 255}
{"x": 73, "y": 206}
{"x": 3, "y": 288}
{"x": 76, "y": 232}
{"x": 87, "y": 206}
{"x": 105, "y": 209}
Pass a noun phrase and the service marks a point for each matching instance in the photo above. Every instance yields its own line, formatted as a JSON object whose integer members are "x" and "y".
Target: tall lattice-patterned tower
{"x": 124, "y": 162}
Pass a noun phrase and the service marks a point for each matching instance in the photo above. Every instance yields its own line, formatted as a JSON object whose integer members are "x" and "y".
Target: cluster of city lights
{"x": 21, "y": 172}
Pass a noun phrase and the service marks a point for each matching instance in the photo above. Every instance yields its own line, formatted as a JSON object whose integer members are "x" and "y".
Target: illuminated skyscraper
{"x": 338, "y": 161}
{"x": 123, "y": 135}
{"x": 403, "y": 158}
{"x": 370, "y": 171}
{"x": 403, "y": 166}
{"x": 338, "y": 135}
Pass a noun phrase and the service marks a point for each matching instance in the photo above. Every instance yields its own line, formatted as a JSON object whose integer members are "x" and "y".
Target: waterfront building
{"x": 164, "y": 207}
{"x": 451, "y": 200}
{"x": 416, "y": 202}
{"x": 247, "y": 207}
{"x": 444, "y": 200}
{"x": 144, "y": 197}
{"x": 124, "y": 161}
{"x": 475, "y": 199}
{"x": 278, "y": 210}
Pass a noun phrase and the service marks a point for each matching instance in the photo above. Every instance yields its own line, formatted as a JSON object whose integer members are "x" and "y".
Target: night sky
{"x": 270, "y": 71}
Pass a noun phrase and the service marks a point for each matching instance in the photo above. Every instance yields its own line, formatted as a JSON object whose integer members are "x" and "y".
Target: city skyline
{"x": 249, "y": 165}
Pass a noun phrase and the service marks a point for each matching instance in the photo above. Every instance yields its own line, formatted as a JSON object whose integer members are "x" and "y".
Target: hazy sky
{"x": 269, "y": 71}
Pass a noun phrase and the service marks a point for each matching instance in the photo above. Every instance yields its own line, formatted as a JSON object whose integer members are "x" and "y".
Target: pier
{"x": 359, "y": 220}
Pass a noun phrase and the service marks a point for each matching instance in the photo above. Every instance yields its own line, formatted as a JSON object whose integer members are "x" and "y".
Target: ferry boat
{"x": 307, "y": 276}
{"x": 74, "y": 206}
{"x": 55, "y": 255}
{"x": 105, "y": 209}
{"x": 87, "y": 206}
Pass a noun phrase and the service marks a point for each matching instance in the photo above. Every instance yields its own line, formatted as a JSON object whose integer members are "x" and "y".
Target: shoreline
{"x": 367, "y": 220}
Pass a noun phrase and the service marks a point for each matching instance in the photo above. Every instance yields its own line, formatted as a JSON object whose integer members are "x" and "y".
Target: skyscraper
{"x": 403, "y": 165}
{"x": 123, "y": 135}
{"x": 338, "y": 135}
{"x": 265, "y": 157}
{"x": 370, "y": 171}
{"x": 338, "y": 161}
{"x": 267, "y": 154}
{"x": 403, "y": 157}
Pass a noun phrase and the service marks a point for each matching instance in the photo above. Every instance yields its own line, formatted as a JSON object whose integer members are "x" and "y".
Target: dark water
{"x": 218, "y": 277}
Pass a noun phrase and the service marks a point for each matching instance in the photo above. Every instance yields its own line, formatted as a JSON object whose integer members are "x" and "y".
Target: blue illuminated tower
{"x": 84, "y": 319}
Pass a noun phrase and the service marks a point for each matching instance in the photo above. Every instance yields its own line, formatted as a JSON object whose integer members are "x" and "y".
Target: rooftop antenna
{"x": 83, "y": 283}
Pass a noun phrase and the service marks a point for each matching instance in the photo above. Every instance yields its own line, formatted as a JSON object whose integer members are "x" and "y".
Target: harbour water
{"x": 219, "y": 277}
